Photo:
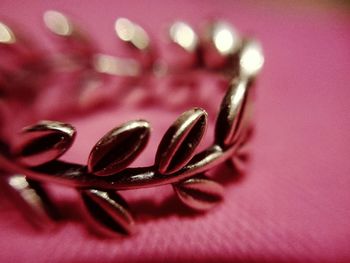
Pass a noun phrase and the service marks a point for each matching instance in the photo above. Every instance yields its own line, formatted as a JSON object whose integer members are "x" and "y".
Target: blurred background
{"x": 292, "y": 204}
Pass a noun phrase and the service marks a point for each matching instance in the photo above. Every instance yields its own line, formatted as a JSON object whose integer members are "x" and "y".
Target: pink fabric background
{"x": 294, "y": 203}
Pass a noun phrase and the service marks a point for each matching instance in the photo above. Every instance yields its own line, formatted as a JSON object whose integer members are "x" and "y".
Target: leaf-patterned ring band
{"x": 34, "y": 159}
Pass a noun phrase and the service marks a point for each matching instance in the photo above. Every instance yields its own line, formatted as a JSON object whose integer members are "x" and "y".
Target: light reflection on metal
{"x": 116, "y": 66}
{"x": 225, "y": 38}
{"x": 182, "y": 34}
{"x": 115, "y": 212}
{"x": 176, "y": 160}
{"x": 131, "y": 32}
{"x": 180, "y": 141}
{"x": 132, "y": 137}
{"x": 18, "y": 182}
{"x": 51, "y": 125}
{"x": 231, "y": 110}
{"x": 199, "y": 192}
{"x": 58, "y": 23}
{"x": 6, "y": 35}
{"x": 251, "y": 58}
{"x": 124, "y": 29}
{"x": 240, "y": 91}
{"x": 57, "y": 136}
{"x": 32, "y": 200}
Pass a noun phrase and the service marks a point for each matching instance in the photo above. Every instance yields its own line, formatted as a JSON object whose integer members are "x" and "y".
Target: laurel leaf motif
{"x": 43, "y": 142}
{"x": 31, "y": 199}
{"x": 118, "y": 148}
{"x": 108, "y": 212}
{"x": 231, "y": 112}
{"x": 199, "y": 192}
{"x": 179, "y": 142}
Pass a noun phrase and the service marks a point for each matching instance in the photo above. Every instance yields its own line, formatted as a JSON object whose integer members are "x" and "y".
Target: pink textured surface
{"x": 294, "y": 203}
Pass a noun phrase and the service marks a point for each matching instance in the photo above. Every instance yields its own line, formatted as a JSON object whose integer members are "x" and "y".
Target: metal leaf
{"x": 181, "y": 139}
{"x": 183, "y": 35}
{"x": 231, "y": 109}
{"x": 75, "y": 44}
{"x": 220, "y": 43}
{"x": 7, "y": 36}
{"x": 251, "y": 58}
{"x": 62, "y": 26}
{"x": 224, "y": 38}
{"x": 118, "y": 148}
{"x": 132, "y": 33}
{"x": 199, "y": 192}
{"x": 43, "y": 142}
{"x": 31, "y": 199}
{"x": 108, "y": 212}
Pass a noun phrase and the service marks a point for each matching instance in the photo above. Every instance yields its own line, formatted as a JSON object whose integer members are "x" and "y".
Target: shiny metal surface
{"x": 221, "y": 42}
{"x": 107, "y": 212}
{"x": 76, "y": 46}
{"x": 225, "y": 38}
{"x": 58, "y": 23}
{"x": 77, "y": 175}
{"x": 34, "y": 158}
{"x": 116, "y": 66}
{"x": 7, "y": 36}
{"x": 251, "y": 59}
{"x": 230, "y": 110}
{"x": 183, "y": 35}
{"x": 199, "y": 192}
{"x": 132, "y": 33}
{"x": 31, "y": 199}
{"x": 118, "y": 148}
{"x": 181, "y": 139}
{"x": 43, "y": 142}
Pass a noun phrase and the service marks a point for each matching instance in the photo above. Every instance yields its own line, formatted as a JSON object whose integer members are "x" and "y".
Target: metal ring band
{"x": 34, "y": 158}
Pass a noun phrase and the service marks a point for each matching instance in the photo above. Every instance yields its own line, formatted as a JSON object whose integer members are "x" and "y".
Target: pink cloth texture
{"x": 293, "y": 204}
